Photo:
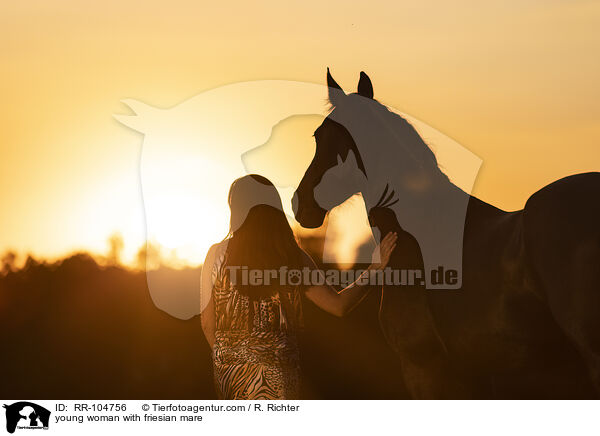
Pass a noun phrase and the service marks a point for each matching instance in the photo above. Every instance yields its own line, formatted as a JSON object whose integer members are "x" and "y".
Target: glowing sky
{"x": 516, "y": 82}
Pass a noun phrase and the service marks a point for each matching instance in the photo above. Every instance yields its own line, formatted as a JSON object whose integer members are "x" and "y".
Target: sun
{"x": 185, "y": 203}
{"x": 184, "y": 225}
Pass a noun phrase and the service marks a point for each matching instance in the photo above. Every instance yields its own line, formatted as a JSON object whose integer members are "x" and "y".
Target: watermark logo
{"x": 193, "y": 151}
{"x": 306, "y": 277}
{"x": 24, "y": 415}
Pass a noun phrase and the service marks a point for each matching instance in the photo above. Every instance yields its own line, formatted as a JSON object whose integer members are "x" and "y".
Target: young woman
{"x": 250, "y": 321}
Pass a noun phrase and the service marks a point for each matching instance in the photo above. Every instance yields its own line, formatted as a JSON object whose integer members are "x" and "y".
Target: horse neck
{"x": 477, "y": 210}
{"x": 437, "y": 217}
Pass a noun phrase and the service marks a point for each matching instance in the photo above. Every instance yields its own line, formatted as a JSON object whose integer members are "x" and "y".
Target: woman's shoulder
{"x": 212, "y": 254}
{"x": 216, "y": 257}
{"x": 218, "y": 248}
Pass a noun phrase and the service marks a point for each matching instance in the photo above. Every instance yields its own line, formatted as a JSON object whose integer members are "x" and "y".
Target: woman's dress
{"x": 256, "y": 354}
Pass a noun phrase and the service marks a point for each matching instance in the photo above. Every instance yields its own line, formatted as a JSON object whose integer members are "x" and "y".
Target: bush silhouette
{"x": 81, "y": 330}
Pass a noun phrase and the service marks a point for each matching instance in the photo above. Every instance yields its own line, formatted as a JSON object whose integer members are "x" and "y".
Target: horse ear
{"x": 365, "y": 87}
{"x": 336, "y": 93}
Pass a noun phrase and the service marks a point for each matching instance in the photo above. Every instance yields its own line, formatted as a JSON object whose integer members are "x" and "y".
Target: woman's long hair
{"x": 260, "y": 236}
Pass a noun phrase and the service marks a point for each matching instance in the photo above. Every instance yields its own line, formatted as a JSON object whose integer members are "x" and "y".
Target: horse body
{"x": 523, "y": 320}
{"x": 499, "y": 335}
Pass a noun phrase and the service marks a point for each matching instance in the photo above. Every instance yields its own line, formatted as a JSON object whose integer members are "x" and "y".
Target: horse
{"x": 517, "y": 314}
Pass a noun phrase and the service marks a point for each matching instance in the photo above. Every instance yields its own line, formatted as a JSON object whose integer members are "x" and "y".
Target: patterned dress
{"x": 256, "y": 354}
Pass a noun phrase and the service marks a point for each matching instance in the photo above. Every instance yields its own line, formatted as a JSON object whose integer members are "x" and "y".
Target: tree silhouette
{"x": 116, "y": 244}
{"x": 8, "y": 262}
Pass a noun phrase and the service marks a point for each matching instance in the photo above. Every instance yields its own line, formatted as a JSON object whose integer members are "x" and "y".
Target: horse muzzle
{"x": 309, "y": 215}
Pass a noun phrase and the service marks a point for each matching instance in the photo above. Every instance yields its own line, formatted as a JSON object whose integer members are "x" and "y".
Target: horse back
{"x": 562, "y": 230}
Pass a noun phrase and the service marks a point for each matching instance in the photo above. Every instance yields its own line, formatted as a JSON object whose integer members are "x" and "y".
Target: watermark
{"x": 25, "y": 415}
{"x": 193, "y": 151}
{"x": 284, "y": 276}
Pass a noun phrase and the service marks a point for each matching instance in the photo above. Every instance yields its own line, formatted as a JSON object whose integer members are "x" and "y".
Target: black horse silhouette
{"x": 522, "y": 318}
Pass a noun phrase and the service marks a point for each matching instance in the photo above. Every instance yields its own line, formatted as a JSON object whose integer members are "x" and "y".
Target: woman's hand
{"x": 387, "y": 245}
{"x": 339, "y": 303}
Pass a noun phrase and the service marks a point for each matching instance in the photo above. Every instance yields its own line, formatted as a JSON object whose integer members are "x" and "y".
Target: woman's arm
{"x": 342, "y": 302}
{"x": 207, "y": 304}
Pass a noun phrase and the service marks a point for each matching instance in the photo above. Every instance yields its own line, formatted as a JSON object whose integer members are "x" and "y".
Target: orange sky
{"x": 515, "y": 82}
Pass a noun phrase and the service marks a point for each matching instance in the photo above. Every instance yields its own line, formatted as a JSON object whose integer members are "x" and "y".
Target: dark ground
{"x": 74, "y": 329}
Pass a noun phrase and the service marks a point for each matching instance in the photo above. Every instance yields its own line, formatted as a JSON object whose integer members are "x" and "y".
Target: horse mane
{"x": 401, "y": 135}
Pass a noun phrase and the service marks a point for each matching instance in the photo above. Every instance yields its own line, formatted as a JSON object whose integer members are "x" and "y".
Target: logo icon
{"x": 26, "y": 415}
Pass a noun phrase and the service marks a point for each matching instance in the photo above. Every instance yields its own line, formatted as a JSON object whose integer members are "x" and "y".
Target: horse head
{"x": 337, "y": 159}
{"x": 364, "y": 147}
{"x": 385, "y": 149}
